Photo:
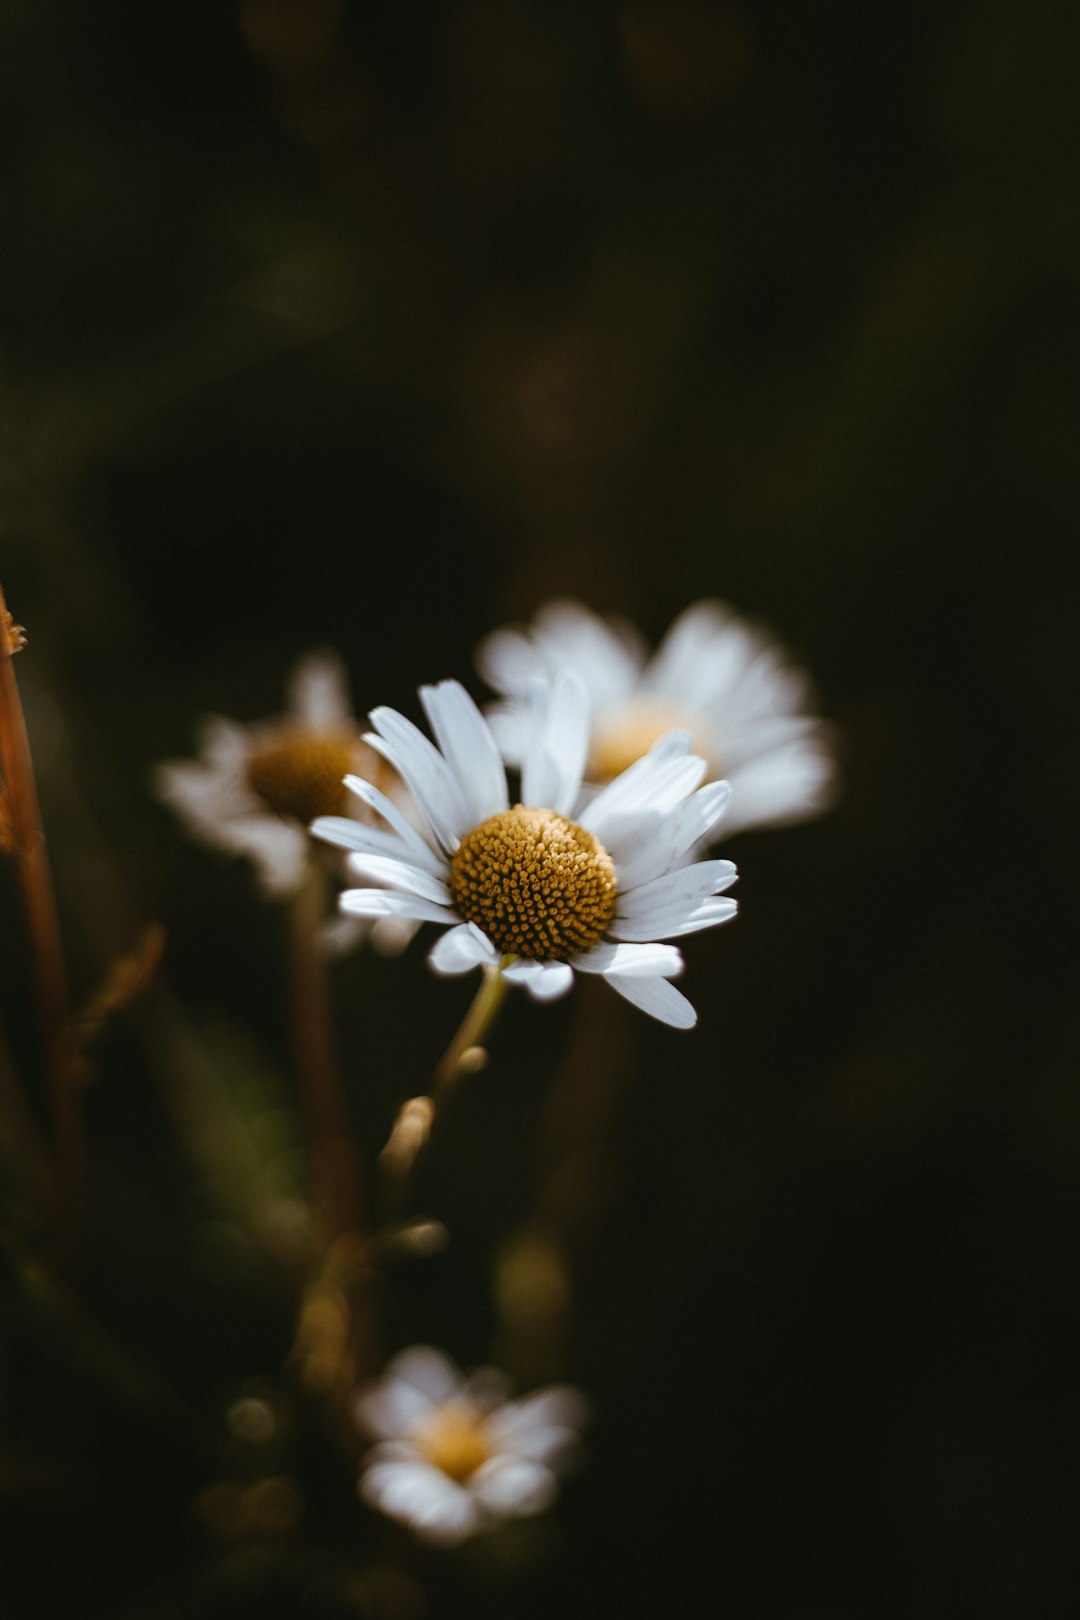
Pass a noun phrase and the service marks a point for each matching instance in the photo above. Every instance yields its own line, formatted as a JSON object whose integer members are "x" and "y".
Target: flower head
{"x": 525, "y": 887}
{"x": 454, "y": 1455}
{"x": 714, "y": 675}
{"x": 254, "y": 789}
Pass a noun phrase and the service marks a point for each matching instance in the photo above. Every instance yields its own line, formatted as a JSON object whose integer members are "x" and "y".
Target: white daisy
{"x": 523, "y": 888}
{"x": 715, "y": 675}
{"x": 454, "y": 1455}
{"x": 253, "y": 789}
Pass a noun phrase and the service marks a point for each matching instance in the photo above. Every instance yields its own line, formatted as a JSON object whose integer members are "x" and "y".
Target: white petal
{"x": 427, "y": 775}
{"x": 205, "y": 796}
{"x": 544, "y": 981}
{"x": 318, "y": 691}
{"x": 682, "y": 832}
{"x": 607, "y": 654}
{"x": 758, "y": 735}
{"x": 509, "y": 725}
{"x": 390, "y": 935}
{"x": 686, "y": 887}
{"x": 278, "y": 848}
{"x": 392, "y": 813}
{"x": 786, "y": 786}
{"x": 508, "y": 661}
{"x": 514, "y": 1487}
{"x": 427, "y": 1370}
{"x": 645, "y": 821}
{"x": 637, "y": 961}
{"x": 384, "y": 903}
{"x": 462, "y": 949}
{"x": 224, "y": 744}
{"x": 554, "y": 760}
{"x": 469, "y": 748}
{"x": 338, "y": 934}
{"x": 364, "y": 839}
{"x": 642, "y": 788}
{"x": 671, "y": 922}
{"x": 391, "y": 1408}
{"x": 401, "y": 875}
{"x": 422, "y": 1497}
{"x": 707, "y": 633}
{"x": 658, "y": 998}
{"x": 541, "y": 1426}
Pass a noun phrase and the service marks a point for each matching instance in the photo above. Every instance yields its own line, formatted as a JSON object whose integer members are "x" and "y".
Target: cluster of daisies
{"x": 624, "y": 764}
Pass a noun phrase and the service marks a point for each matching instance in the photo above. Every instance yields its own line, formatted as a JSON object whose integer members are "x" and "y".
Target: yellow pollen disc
{"x": 538, "y": 885}
{"x": 626, "y": 733}
{"x": 299, "y": 773}
{"x": 454, "y": 1439}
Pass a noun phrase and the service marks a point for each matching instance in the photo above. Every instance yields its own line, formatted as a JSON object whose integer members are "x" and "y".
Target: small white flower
{"x": 253, "y": 789}
{"x": 715, "y": 675}
{"x": 454, "y": 1455}
{"x": 523, "y": 888}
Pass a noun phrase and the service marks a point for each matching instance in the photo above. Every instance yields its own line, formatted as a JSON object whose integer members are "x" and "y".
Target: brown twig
{"x": 28, "y": 850}
{"x": 335, "y": 1173}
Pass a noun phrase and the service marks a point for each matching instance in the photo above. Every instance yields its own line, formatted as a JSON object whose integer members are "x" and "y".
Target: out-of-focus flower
{"x": 715, "y": 675}
{"x": 523, "y": 888}
{"x": 454, "y": 1455}
{"x": 253, "y": 789}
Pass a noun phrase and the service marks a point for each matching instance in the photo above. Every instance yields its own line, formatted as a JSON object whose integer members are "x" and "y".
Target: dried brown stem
{"x": 27, "y": 841}
{"x": 333, "y": 1161}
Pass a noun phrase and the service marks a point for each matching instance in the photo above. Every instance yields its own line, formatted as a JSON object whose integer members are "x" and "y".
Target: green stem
{"x": 416, "y": 1116}
{"x": 472, "y": 1031}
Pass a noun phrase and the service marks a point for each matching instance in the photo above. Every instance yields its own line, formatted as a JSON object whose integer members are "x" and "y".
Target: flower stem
{"x": 333, "y": 1163}
{"x": 27, "y": 842}
{"x": 416, "y": 1116}
{"x": 472, "y": 1031}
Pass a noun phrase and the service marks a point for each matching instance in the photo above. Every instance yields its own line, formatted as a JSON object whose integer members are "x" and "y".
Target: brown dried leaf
{"x": 125, "y": 980}
{"x": 14, "y": 634}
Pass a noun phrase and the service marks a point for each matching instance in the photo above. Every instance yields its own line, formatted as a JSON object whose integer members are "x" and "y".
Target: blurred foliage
{"x": 371, "y": 325}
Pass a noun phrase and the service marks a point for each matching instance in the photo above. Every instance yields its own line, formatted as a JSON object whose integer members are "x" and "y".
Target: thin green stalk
{"x": 465, "y": 1053}
{"x": 471, "y": 1033}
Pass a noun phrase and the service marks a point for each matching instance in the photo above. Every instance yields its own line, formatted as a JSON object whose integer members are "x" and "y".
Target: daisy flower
{"x": 253, "y": 789}
{"x": 454, "y": 1455}
{"x": 715, "y": 675}
{"x": 521, "y": 887}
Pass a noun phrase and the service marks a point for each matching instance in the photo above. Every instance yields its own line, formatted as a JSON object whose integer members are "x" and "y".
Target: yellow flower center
{"x": 538, "y": 885}
{"x": 454, "y": 1439}
{"x": 626, "y": 733}
{"x": 299, "y": 772}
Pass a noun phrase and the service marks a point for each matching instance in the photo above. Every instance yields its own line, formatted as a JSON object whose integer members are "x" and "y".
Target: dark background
{"x": 374, "y": 326}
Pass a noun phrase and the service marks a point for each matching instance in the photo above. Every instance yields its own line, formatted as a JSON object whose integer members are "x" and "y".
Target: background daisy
{"x": 715, "y": 675}
{"x": 253, "y": 789}
{"x": 454, "y": 1454}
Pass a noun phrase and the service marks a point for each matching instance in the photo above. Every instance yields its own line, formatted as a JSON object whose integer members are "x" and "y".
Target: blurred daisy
{"x": 714, "y": 675}
{"x": 523, "y": 888}
{"x": 253, "y": 789}
{"x": 454, "y": 1455}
